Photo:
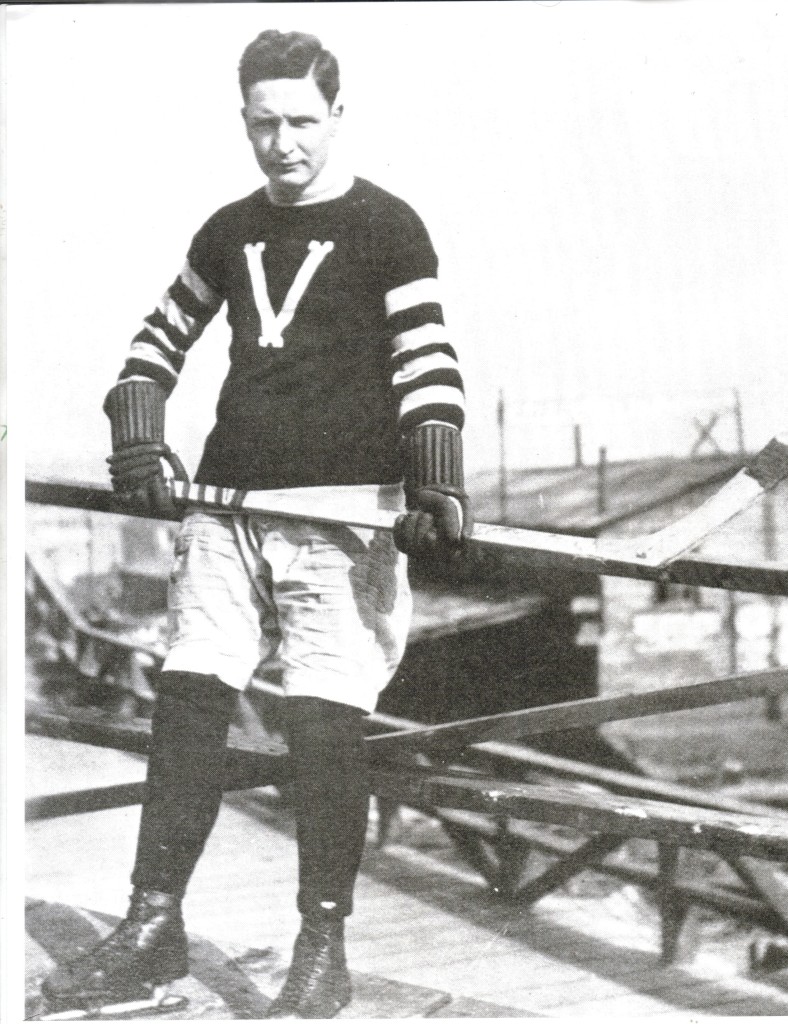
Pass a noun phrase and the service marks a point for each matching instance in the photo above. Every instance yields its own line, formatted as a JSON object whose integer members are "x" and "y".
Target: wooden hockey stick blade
{"x": 769, "y": 468}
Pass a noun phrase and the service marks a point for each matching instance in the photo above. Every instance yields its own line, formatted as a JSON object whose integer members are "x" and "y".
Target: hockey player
{"x": 342, "y": 377}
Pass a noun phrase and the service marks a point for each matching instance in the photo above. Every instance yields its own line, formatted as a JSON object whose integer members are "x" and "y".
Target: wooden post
{"x": 601, "y": 481}
{"x": 730, "y": 629}
{"x": 773, "y": 700}
{"x": 503, "y": 496}
{"x": 578, "y": 437}
{"x": 739, "y": 421}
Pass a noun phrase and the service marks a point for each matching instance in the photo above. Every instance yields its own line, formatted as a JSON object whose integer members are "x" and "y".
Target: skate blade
{"x": 120, "y": 1011}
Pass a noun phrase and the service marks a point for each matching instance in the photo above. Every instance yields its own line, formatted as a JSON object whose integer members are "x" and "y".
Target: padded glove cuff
{"x": 433, "y": 456}
{"x": 136, "y": 413}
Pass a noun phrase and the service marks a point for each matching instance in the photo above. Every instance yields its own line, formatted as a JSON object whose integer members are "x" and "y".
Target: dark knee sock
{"x": 330, "y": 771}
{"x": 191, "y": 719}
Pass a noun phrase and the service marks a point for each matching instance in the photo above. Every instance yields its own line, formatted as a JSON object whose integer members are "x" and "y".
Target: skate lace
{"x": 109, "y": 953}
{"x": 311, "y": 960}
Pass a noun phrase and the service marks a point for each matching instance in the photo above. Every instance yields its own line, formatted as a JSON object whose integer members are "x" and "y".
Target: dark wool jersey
{"x": 338, "y": 344}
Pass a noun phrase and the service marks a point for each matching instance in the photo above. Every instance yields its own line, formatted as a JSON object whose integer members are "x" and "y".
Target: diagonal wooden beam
{"x": 763, "y": 879}
{"x": 577, "y": 714}
{"x": 584, "y": 858}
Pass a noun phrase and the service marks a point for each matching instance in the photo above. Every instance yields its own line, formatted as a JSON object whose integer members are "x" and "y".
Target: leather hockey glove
{"x": 136, "y": 414}
{"x": 439, "y": 516}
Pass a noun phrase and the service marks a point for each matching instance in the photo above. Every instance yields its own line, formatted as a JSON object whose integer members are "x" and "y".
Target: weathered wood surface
{"x": 592, "y": 711}
{"x": 590, "y": 812}
{"x": 420, "y": 918}
{"x": 229, "y": 984}
{"x": 259, "y": 762}
{"x": 496, "y": 544}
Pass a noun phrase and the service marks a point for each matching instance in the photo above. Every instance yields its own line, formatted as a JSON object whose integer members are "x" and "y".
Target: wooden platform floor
{"x": 427, "y": 939}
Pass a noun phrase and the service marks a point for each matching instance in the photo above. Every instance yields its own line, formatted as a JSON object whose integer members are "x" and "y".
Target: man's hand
{"x": 138, "y": 479}
{"x": 135, "y": 408}
{"x": 437, "y": 524}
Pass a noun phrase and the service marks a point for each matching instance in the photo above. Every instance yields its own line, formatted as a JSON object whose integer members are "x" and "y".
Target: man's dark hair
{"x": 276, "y": 54}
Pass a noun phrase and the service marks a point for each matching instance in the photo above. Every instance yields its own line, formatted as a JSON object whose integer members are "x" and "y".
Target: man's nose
{"x": 283, "y": 138}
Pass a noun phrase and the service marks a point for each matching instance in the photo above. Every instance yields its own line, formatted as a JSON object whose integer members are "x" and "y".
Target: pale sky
{"x": 604, "y": 182}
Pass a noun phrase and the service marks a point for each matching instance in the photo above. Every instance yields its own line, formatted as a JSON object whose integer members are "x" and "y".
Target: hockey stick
{"x": 654, "y": 551}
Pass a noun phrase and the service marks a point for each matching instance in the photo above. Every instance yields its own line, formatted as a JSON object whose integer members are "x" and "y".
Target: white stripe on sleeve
{"x": 416, "y": 367}
{"x": 425, "y": 289}
{"x": 435, "y": 394}
{"x": 174, "y": 315}
{"x": 196, "y": 285}
{"x": 427, "y": 334}
{"x": 159, "y": 333}
{"x": 151, "y": 354}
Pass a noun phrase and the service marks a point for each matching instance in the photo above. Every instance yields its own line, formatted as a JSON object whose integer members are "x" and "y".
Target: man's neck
{"x": 332, "y": 182}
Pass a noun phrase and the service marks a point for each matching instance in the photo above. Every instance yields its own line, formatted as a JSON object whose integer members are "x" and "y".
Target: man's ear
{"x": 336, "y": 114}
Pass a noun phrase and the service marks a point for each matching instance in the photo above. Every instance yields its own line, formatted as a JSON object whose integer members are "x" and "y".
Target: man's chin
{"x": 288, "y": 176}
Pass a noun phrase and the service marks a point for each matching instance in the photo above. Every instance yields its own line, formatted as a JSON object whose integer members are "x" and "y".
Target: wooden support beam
{"x": 83, "y": 801}
{"x": 762, "y": 878}
{"x": 505, "y": 757}
{"x": 584, "y": 858}
{"x": 239, "y": 775}
{"x": 250, "y": 763}
{"x": 673, "y": 910}
{"x": 592, "y": 812}
{"x": 577, "y": 714}
{"x": 471, "y": 846}
{"x": 718, "y": 898}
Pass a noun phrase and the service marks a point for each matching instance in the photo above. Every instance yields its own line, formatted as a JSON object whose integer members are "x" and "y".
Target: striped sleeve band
{"x": 159, "y": 350}
{"x": 426, "y": 377}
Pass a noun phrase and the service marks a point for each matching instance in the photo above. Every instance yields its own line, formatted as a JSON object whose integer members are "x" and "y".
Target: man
{"x": 341, "y": 379}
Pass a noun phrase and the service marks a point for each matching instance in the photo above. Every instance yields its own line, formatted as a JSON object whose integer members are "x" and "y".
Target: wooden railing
{"x": 469, "y": 774}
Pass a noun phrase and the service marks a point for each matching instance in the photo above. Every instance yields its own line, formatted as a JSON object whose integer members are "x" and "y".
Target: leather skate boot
{"x": 147, "y": 949}
{"x": 318, "y": 983}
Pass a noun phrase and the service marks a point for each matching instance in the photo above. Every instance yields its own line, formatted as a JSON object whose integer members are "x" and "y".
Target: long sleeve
{"x": 425, "y": 372}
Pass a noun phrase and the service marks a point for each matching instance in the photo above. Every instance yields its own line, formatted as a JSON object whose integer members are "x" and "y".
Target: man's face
{"x": 291, "y": 127}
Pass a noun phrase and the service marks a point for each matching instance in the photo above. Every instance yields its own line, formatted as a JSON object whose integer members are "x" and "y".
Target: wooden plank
{"x": 82, "y": 801}
{"x": 250, "y": 762}
{"x": 499, "y": 755}
{"x": 591, "y": 711}
{"x": 490, "y": 543}
{"x": 726, "y": 834}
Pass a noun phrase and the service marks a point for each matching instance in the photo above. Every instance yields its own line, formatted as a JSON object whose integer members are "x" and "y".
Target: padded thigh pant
{"x": 331, "y": 604}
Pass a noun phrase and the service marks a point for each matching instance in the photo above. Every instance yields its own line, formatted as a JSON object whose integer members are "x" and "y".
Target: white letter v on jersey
{"x": 271, "y": 324}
